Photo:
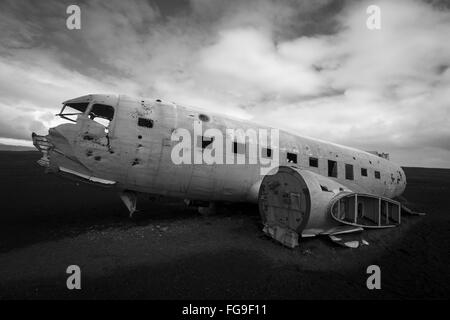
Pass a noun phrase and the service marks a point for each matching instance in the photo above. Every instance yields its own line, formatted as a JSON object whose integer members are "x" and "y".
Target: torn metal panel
{"x": 285, "y": 236}
{"x": 345, "y": 243}
{"x": 348, "y": 240}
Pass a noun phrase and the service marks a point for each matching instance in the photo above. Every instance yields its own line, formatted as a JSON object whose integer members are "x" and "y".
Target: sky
{"x": 310, "y": 67}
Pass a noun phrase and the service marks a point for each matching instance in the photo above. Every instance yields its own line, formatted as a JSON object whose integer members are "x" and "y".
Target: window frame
{"x": 364, "y": 172}
{"x": 316, "y": 161}
{"x": 332, "y": 173}
{"x": 93, "y": 116}
{"x": 73, "y": 105}
{"x": 266, "y": 152}
{"x": 292, "y": 154}
{"x": 349, "y": 168}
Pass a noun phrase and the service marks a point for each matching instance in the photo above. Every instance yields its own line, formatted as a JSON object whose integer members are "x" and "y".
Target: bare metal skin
{"x": 135, "y": 156}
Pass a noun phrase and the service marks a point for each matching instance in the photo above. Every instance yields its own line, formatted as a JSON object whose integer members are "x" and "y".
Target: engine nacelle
{"x": 295, "y": 202}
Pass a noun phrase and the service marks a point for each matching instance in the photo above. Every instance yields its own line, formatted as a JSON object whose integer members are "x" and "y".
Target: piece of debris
{"x": 412, "y": 212}
{"x": 352, "y": 244}
{"x": 287, "y": 237}
{"x": 342, "y": 242}
{"x": 334, "y": 238}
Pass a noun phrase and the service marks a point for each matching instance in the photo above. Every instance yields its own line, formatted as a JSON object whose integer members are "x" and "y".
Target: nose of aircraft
{"x": 60, "y": 137}
{"x": 58, "y": 149}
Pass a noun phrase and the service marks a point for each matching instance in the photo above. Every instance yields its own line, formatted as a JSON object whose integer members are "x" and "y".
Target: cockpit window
{"x": 103, "y": 111}
{"x": 102, "y": 114}
{"x": 70, "y": 111}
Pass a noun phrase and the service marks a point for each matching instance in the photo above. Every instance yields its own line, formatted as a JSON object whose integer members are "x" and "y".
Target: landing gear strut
{"x": 211, "y": 209}
{"x": 205, "y": 208}
{"x": 129, "y": 198}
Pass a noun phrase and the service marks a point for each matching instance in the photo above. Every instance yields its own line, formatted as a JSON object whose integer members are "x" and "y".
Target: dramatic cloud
{"x": 312, "y": 67}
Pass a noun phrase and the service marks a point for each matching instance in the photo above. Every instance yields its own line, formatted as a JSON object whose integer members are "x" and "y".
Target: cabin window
{"x": 332, "y": 168}
{"x": 291, "y": 157}
{"x": 313, "y": 162}
{"x": 238, "y": 147}
{"x": 377, "y": 175}
{"x": 348, "y": 171}
{"x": 144, "y": 122}
{"x": 206, "y": 141}
{"x": 364, "y": 172}
{"x": 266, "y": 152}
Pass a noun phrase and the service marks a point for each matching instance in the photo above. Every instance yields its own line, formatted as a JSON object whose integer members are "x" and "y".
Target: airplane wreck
{"x": 316, "y": 187}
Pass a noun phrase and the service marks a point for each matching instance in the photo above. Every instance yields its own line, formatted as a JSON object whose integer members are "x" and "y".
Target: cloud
{"x": 250, "y": 61}
{"x": 309, "y": 67}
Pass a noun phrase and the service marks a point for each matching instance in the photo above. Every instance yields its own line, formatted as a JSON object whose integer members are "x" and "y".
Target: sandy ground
{"x": 171, "y": 252}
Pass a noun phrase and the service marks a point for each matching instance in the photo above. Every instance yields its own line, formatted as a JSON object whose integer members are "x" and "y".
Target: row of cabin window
{"x": 332, "y": 169}
{"x": 313, "y": 162}
{"x": 292, "y": 158}
{"x": 267, "y": 152}
{"x": 237, "y": 147}
{"x": 206, "y": 141}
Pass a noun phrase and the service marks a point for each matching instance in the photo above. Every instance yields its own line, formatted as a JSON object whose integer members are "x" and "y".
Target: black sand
{"x": 171, "y": 252}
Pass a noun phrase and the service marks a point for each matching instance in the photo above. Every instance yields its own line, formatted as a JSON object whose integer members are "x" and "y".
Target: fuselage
{"x": 134, "y": 152}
